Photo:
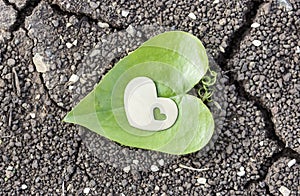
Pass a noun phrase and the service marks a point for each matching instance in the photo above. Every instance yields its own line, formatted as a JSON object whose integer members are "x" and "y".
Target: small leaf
{"x": 176, "y": 61}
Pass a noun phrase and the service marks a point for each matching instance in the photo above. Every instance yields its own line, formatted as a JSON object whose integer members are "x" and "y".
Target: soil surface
{"x": 49, "y": 59}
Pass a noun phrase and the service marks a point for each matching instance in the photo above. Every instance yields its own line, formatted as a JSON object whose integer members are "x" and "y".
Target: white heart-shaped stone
{"x": 140, "y": 100}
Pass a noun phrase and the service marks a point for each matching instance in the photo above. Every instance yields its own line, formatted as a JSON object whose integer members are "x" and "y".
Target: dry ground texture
{"x": 256, "y": 43}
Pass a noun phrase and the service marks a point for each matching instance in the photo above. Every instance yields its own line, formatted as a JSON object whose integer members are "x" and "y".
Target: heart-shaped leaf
{"x": 176, "y": 61}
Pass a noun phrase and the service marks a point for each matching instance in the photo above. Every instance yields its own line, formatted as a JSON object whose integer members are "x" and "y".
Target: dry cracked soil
{"x": 45, "y": 58}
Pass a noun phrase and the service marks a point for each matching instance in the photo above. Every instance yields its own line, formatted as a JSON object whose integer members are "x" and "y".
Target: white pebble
{"x": 136, "y": 162}
{"x": 74, "y": 78}
{"x": 165, "y": 174}
{"x": 75, "y": 42}
{"x": 124, "y": 13}
{"x": 68, "y": 25}
{"x": 291, "y": 162}
{"x": 255, "y": 25}
{"x": 192, "y": 16}
{"x": 86, "y": 190}
{"x": 126, "y": 169}
{"x": 216, "y": 1}
{"x": 71, "y": 88}
{"x": 103, "y": 25}
{"x": 284, "y": 191}
{"x": 24, "y": 186}
{"x": 131, "y": 30}
{"x": 10, "y": 168}
{"x": 201, "y": 180}
{"x": 93, "y": 5}
{"x": 32, "y": 115}
{"x": 161, "y": 162}
{"x": 154, "y": 168}
{"x": 222, "y": 49}
{"x": 241, "y": 172}
{"x": 39, "y": 63}
{"x": 69, "y": 45}
{"x": 298, "y": 51}
{"x": 256, "y": 42}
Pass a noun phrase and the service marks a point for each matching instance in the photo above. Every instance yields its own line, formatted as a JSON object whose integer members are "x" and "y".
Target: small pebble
{"x": 222, "y": 49}
{"x": 39, "y": 63}
{"x": 11, "y": 62}
{"x": 298, "y": 50}
{"x": 103, "y": 25}
{"x": 93, "y": 5}
{"x": 241, "y": 172}
{"x": 24, "y": 186}
{"x": 126, "y": 169}
{"x": 69, "y": 45}
{"x": 154, "y": 168}
{"x": 75, "y": 42}
{"x": 10, "y": 168}
{"x": 161, "y": 162}
{"x": 124, "y": 13}
{"x": 86, "y": 190}
{"x": 130, "y": 30}
{"x": 201, "y": 180}
{"x": 136, "y": 162}
{"x": 284, "y": 191}
{"x": 291, "y": 162}
{"x": 32, "y": 115}
{"x": 192, "y": 16}
{"x": 2, "y": 83}
{"x": 222, "y": 21}
{"x": 255, "y": 25}
{"x": 256, "y": 42}
{"x": 68, "y": 25}
{"x": 74, "y": 78}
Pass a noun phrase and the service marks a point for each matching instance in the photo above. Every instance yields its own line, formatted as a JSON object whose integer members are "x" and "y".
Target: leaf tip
{"x": 69, "y": 118}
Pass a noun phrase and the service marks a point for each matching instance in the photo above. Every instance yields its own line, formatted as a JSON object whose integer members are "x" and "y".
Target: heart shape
{"x": 140, "y": 100}
{"x": 158, "y": 115}
{"x": 176, "y": 61}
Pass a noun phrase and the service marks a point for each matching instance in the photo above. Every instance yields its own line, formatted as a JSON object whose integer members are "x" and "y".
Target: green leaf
{"x": 176, "y": 61}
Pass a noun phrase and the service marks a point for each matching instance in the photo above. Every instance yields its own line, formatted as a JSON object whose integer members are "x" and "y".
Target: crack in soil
{"x": 222, "y": 60}
{"x": 77, "y": 150}
{"x": 23, "y": 13}
{"x": 60, "y": 11}
{"x": 10, "y": 4}
{"x": 47, "y": 91}
{"x": 81, "y": 17}
{"x": 285, "y": 152}
{"x": 20, "y": 19}
{"x": 239, "y": 35}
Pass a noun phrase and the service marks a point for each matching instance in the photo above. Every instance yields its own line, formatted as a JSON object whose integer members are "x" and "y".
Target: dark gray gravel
{"x": 270, "y": 72}
{"x": 214, "y": 22}
{"x": 41, "y": 155}
{"x": 284, "y": 177}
